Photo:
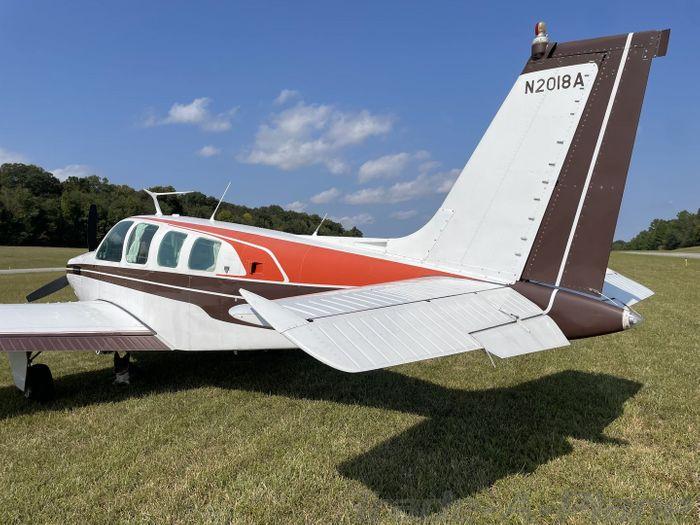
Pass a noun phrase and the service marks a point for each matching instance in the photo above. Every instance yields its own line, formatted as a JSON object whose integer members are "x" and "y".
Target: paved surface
{"x": 31, "y": 270}
{"x": 682, "y": 255}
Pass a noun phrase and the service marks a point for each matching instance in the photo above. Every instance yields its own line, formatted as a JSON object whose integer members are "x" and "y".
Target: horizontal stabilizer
{"x": 373, "y": 327}
{"x": 623, "y": 289}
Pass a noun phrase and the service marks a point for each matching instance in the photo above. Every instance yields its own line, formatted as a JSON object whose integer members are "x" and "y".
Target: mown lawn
{"x": 606, "y": 430}
{"x": 12, "y": 257}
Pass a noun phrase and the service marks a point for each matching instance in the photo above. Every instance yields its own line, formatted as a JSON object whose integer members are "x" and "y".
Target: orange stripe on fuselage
{"x": 307, "y": 264}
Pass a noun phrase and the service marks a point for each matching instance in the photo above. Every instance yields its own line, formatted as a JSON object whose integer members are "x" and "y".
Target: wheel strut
{"x": 121, "y": 368}
{"x": 39, "y": 383}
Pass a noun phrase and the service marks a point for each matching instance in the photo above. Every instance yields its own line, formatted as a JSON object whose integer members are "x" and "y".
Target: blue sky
{"x": 363, "y": 110}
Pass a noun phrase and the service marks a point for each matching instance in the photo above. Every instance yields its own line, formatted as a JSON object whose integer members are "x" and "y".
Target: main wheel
{"x": 39, "y": 383}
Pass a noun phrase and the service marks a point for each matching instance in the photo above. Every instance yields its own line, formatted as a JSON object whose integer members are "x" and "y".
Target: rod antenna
{"x": 315, "y": 233}
{"x": 211, "y": 219}
{"x": 155, "y": 194}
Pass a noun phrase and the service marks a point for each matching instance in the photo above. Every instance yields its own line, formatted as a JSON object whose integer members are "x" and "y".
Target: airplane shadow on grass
{"x": 470, "y": 439}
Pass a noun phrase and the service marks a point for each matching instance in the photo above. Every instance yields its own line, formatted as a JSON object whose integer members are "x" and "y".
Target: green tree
{"x": 681, "y": 232}
{"x": 38, "y": 209}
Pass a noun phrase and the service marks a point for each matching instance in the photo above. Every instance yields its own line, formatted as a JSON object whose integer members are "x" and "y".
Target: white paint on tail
{"x": 487, "y": 225}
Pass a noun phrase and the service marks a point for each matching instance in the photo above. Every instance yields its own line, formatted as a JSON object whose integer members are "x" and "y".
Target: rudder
{"x": 573, "y": 243}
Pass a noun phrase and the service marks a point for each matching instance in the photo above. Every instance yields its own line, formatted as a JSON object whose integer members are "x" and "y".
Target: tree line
{"x": 681, "y": 232}
{"x": 38, "y": 209}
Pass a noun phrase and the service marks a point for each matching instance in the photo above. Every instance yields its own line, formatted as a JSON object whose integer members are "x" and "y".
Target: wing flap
{"x": 365, "y": 335}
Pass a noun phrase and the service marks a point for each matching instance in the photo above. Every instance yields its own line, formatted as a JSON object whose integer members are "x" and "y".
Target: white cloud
{"x": 353, "y": 128}
{"x": 295, "y": 206}
{"x": 390, "y": 166}
{"x": 446, "y": 180}
{"x": 428, "y": 166}
{"x": 196, "y": 113}
{"x": 404, "y": 214}
{"x": 9, "y": 157}
{"x": 337, "y": 166}
{"x": 355, "y": 220}
{"x": 325, "y": 196}
{"x": 286, "y": 95}
{"x": 405, "y": 190}
{"x": 309, "y": 134}
{"x": 367, "y": 196}
{"x": 208, "y": 151}
{"x": 386, "y": 166}
{"x": 73, "y": 170}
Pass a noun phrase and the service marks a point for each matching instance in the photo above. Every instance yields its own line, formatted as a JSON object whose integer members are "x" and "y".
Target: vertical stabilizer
{"x": 539, "y": 197}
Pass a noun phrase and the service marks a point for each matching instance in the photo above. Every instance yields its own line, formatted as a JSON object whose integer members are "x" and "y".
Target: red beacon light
{"x": 539, "y": 44}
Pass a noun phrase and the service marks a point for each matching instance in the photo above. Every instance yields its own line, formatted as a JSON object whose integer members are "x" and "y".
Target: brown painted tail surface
{"x": 572, "y": 246}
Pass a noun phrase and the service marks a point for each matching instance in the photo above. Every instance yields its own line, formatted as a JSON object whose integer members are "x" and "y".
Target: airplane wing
{"x": 623, "y": 289}
{"x": 370, "y": 327}
{"x": 82, "y": 325}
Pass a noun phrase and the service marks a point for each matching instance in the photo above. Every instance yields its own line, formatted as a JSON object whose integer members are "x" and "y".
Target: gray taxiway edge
{"x": 31, "y": 270}
{"x": 682, "y": 255}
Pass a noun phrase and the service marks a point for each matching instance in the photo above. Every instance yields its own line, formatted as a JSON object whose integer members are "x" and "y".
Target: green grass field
{"x": 12, "y": 257}
{"x": 606, "y": 430}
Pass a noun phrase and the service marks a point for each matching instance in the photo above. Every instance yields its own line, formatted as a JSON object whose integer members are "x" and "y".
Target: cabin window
{"x": 112, "y": 245}
{"x": 203, "y": 255}
{"x": 169, "y": 250}
{"x": 140, "y": 242}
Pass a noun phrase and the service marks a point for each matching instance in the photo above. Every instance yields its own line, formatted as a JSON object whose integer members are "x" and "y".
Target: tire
{"x": 39, "y": 383}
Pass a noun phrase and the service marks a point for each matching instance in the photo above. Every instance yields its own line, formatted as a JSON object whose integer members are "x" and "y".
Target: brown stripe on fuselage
{"x": 195, "y": 287}
{"x": 576, "y": 314}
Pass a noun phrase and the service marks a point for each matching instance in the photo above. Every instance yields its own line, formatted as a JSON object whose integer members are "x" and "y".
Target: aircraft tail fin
{"x": 539, "y": 198}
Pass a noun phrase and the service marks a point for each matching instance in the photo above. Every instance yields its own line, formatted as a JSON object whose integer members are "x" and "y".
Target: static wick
{"x": 490, "y": 358}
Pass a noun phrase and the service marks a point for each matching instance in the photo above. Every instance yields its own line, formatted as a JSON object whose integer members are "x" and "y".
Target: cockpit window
{"x": 203, "y": 255}
{"x": 112, "y": 245}
{"x": 169, "y": 250}
{"x": 140, "y": 242}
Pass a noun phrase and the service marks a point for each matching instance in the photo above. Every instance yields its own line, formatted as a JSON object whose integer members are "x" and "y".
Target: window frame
{"x": 184, "y": 249}
{"x": 195, "y": 239}
{"x": 124, "y": 241}
{"x": 153, "y": 240}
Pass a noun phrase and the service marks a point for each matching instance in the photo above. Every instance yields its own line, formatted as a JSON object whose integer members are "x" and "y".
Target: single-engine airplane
{"x": 513, "y": 262}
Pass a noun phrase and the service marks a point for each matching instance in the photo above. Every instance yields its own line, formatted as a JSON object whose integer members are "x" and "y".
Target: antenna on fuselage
{"x": 315, "y": 233}
{"x": 220, "y": 201}
{"x": 155, "y": 194}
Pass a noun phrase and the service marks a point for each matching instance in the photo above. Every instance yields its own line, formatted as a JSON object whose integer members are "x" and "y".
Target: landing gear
{"x": 122, "y": 366}
{"x": 39, "y": 383}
